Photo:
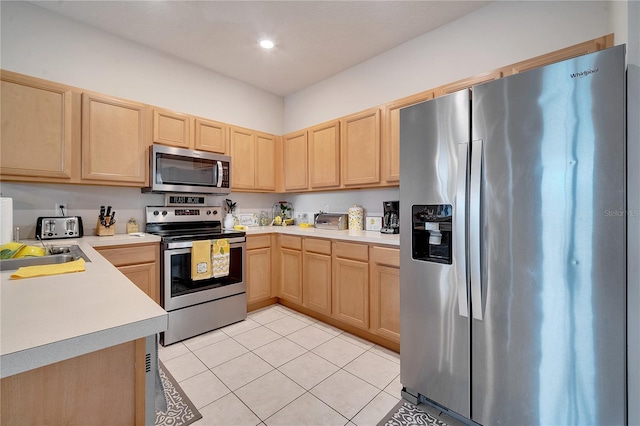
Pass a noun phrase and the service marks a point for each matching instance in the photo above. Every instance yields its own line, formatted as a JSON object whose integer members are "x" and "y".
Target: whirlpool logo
{"x": 584, "y": 73}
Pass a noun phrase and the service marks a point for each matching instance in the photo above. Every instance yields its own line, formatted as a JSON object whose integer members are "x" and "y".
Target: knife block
{"x": 104, "y": 231}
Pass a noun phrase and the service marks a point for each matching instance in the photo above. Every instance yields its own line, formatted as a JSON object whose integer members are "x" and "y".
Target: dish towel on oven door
{"x": 201, "y": 260}
{"x": 220, "y": 257}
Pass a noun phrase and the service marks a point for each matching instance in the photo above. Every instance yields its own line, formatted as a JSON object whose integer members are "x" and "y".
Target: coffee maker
{"x": 391, "y": 217}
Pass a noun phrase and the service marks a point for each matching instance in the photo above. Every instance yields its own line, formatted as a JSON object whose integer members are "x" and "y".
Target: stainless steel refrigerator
{"x": 512, "y": 244}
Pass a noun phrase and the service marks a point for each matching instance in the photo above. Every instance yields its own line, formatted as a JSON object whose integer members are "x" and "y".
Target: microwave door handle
{"x": 220, "y": 174}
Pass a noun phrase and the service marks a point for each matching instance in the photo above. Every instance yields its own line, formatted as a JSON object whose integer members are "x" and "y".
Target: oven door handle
{"x": 189, "y": 244}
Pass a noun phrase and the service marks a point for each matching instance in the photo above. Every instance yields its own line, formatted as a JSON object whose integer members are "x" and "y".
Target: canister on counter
{"x": 356, "y": 218}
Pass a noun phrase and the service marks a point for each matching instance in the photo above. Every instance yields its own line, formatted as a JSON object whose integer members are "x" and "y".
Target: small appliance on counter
{"x": 49, "y": 228}
{"x": 335, "y": 221}
{"x": 390, "y": 223}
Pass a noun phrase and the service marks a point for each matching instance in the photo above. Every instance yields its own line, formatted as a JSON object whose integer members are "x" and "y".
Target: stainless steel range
{"x": 201, "y": 305}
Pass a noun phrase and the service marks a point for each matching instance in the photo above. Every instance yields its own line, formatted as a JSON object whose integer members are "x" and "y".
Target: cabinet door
{"x": 467, "y": 83}
{"x": 390, "y": 154}
{"x": 360, "y": 148}
{"x": 384, "y": 268}
{"x": 316, "y": 289}
{"x": 324, "y": 155}
{"x": 37, "y": 128}
{"x": 295, "y": 162}
{"x": 562, "y": 54}
{"x": 265, "y": 162}
{"x": 351, "y": 292}
{"x": 171, "y": 128}
{"x": 145, "y": 277}
{"x": 243, "y": 158}
{"x": 114, "y": 139}
{"x": 211, "y": 136}
{"x": 258, "y": 274}
{"x": 291, "y": 275}
{"x": 140, "y": 263}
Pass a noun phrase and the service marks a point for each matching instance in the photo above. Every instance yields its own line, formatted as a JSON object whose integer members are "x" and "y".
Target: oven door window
{"x": 180, "y": 273}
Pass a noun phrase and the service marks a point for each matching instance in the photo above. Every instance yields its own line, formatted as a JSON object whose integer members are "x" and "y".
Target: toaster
{"x": 336, "y": 221}
{"x": 49, "y": 228}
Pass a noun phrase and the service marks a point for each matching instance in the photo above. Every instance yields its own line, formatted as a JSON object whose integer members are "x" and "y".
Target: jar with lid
{"x": 356, "y": 218}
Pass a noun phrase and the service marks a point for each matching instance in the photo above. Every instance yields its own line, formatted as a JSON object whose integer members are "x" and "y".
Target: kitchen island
{"x": 65, "y": 322}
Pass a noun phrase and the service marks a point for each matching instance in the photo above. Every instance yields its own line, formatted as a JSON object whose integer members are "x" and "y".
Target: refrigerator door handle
{"x": 474, "y": 229}
{"x": 460, "y": 215}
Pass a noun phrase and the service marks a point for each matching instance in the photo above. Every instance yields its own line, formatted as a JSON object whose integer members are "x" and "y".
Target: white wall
{"x": 40, "y": 43}
{"x": 499, "y": 34}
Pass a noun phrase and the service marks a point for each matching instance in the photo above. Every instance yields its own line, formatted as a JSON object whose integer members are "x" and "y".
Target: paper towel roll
{"x": 6, "y": 220}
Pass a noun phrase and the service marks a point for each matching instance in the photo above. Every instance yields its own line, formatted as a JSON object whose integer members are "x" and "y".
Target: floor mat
{"x": 180, "y": 409}
{"x": 407, "y": 414}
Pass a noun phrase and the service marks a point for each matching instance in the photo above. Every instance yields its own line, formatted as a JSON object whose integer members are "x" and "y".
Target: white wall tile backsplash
{"x": 31, "y": 201}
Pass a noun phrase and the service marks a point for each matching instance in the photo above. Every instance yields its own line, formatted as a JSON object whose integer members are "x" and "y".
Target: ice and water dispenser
{"x": 431, "y": 232}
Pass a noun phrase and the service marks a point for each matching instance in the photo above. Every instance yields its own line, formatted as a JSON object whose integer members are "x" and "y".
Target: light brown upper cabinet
{"x": 562, "y": 54}
{"x": 360, "y": 148}
{"x": 295, "y": 161}
{"x": 40, "y": 126}
{"x": 467, "y": 83}
{"x": 324, "y": 155}
{"x": 391, "y": 135}
{"x": 210, "y": 135}
{"x": 253, "y": 160}
{"x": 114, "y": 139}
{"x": 265, "y": 162}
{"x": 185, "y": 131}
{"x": 171, "y": 128}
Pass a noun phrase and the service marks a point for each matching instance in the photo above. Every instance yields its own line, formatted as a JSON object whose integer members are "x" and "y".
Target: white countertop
{"x": 372, "y": 237}
{"x": 50, "y": 319}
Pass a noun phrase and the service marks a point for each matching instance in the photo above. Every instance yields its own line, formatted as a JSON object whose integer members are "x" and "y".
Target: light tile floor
{"x": 280, "y": 367}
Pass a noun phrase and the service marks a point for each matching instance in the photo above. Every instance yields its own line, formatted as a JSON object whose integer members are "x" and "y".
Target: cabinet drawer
{"x": 385, "y": 256}
{"x": 351, "y": 251}
{"x": 258, "y": 241}
{"x": 287, "y": 241}
{"x": 316, "y": 245}
{"x": 120, "y": 256}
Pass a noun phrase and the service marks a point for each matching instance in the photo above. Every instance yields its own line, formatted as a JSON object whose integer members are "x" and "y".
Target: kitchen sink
{"x": 58, "y": 254}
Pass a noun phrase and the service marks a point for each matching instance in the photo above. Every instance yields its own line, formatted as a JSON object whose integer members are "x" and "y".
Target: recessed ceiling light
{"x": 266, "y": 44}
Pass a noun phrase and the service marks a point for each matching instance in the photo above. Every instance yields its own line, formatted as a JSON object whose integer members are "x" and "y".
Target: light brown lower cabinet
{"x": 350, "y": 285}
{"x": 258, "y": 268}
{"x": 105, "y": 387}
{"x": 353, "y": 286}
{"x": 140, "y": 263}
{"x": 316, "y": 270}
{"x": 291, "y": 268}
{"x": 384, "y": 275}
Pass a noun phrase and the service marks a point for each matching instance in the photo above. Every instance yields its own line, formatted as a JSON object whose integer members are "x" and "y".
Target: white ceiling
{"x": 314, "y": 39}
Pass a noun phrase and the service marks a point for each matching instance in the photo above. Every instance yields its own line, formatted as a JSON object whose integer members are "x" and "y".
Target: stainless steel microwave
{"x": 185, "y": 170}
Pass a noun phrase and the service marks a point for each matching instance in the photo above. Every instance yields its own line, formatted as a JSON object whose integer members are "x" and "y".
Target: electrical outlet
{"x": 61, "y": 209}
